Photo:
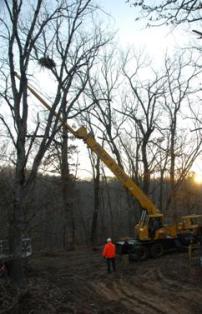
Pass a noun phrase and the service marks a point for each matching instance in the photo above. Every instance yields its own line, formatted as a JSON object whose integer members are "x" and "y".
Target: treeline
{"x": 46, "y": 220}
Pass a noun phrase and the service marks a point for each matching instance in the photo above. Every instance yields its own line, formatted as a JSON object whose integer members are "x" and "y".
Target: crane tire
{"x": 156, "y": 250}
{"x": 140, "y": 254}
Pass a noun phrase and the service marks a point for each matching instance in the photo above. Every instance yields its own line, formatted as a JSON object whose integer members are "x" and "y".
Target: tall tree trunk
{"x": 171, "y": 204}
{"x": 93, "y": 237}
{"x": 161, "y": 190}
{"x": 17, "y": 226}
{"x": 69, "y": 223}
{"x": 146, "y": 174}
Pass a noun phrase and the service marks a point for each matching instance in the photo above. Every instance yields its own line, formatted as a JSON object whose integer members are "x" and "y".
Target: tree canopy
{"x": 169, "y": 11}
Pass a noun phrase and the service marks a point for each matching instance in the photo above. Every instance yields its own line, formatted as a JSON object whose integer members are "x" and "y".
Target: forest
{"x": 54, "y": 189}
{"x": 118, "y": 213}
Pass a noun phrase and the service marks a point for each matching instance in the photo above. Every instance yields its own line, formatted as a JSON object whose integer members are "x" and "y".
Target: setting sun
{"x": 198, "y": 178}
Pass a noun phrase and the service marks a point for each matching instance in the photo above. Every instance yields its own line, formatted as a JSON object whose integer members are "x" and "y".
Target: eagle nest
{"x": 47, "y": 62}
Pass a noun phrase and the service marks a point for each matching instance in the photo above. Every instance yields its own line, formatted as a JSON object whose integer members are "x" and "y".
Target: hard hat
{"x": 109, "y": 240}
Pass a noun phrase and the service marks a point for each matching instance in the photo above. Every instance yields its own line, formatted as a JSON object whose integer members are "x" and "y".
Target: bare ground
{"x": 77, "y": 282}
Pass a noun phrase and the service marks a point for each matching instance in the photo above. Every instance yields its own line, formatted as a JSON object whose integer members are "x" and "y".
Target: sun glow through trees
{"x": 197, "y": 178}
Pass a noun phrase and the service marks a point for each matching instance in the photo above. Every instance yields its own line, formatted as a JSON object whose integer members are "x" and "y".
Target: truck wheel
{"x": 140, "y": 254}
{"x": 156, "y": 250}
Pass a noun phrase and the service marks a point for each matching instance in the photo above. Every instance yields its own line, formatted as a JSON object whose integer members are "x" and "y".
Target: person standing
{"x": 109, "y": 253}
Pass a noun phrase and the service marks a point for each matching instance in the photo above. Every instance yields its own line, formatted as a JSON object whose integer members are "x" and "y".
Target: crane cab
{"x": 151, "y": 227}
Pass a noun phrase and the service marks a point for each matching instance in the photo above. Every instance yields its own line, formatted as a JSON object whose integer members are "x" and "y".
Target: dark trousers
{"x": 111, "y": 262}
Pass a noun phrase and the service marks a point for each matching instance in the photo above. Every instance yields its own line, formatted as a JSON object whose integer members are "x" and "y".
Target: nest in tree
{"x": 47, "y": 62}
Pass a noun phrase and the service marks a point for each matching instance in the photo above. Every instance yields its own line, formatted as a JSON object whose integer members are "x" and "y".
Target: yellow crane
{"x": 152, "y": 235}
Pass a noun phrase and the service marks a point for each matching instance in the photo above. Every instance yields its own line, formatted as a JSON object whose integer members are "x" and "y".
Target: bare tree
{"x": 27, "y": 36}
{"x": 103, "y": 85}
{"x": 103, "y": 92}
{"x": 180, "y": 88}
{"x": 170, "y": 11}
{"x": 142, "y": 108}
{"x": 74, "y": 53}
{"x": 106, "y": 90}
{"x": 95, "y": 163}
{"x": 21, "y": 39}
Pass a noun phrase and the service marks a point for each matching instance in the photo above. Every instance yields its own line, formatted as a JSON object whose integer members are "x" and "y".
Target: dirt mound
{"x": 77, "y": 282}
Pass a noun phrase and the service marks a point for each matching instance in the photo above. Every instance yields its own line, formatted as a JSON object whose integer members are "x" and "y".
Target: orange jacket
{"x": 109, "y": 250}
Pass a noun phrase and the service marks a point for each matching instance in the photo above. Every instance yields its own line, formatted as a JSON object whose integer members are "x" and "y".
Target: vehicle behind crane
{"x": 152, "y": 236}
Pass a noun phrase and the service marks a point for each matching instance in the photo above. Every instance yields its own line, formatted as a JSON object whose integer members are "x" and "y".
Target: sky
{"x": 155, "y": 42}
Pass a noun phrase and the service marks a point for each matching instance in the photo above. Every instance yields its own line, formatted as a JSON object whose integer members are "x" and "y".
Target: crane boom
{"x": 144, "y": 201}
{"x": 89, "y": 139}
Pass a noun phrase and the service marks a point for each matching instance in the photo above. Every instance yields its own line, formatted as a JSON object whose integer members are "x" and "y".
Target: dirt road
{"x": 77, "y": 282}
